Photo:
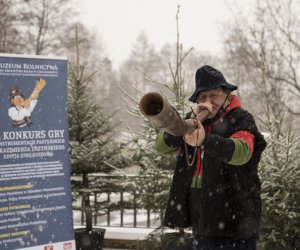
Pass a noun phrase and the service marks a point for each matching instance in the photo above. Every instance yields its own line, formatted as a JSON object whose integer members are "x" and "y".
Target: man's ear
{"x": 12, "y": 101}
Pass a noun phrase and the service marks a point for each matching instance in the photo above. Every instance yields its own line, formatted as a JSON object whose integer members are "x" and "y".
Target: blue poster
{"x": 35, "y": 188}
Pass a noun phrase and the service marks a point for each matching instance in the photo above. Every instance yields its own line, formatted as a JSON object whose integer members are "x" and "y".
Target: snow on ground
{"x": 125, "y": 233}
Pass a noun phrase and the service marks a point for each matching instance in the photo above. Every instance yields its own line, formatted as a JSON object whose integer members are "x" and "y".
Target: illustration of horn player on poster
{"x": 21, "y": 109}
{"x": 35, "y": 188}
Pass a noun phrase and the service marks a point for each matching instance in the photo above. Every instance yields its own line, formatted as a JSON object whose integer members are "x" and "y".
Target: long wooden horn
{"x": 162, "y": 115}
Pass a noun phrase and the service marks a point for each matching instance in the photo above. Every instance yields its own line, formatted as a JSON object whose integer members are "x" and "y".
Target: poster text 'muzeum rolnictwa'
{"x": 27, "y": 66}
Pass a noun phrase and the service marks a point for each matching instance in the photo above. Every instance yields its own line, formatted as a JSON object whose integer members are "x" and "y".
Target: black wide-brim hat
{"x": 14, "y": 91}
{"x": 208, "y": 78}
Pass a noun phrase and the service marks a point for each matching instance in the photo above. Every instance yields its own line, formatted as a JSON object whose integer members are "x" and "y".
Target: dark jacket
{"x": 228, "y": 205}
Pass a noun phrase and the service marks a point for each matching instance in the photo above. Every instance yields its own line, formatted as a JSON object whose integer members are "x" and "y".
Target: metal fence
{"x": 120, "y": 207}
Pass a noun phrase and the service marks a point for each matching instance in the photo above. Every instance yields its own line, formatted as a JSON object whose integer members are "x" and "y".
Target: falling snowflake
{"x": 179, "y": 207}
{"x": 221, "y": 225}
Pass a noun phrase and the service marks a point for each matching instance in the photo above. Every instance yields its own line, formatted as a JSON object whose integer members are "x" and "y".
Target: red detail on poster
{"x": 67, "y": 245}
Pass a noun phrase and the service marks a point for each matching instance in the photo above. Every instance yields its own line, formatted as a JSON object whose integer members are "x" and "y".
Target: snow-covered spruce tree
{"x": 153, "y": 184}
{"x": 280, "y": 189}
{"x": 92, "y": 148}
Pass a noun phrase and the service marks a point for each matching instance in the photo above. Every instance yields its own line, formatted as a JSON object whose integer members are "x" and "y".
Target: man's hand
{"x": 196, "y": 137}
{"x": 26, "y": 103}
{"x": 203, "y": 106}
{"x": 202, "y": 111}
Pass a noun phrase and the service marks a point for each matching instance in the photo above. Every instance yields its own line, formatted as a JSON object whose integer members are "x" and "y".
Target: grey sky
{"x": 120, "y": 21}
